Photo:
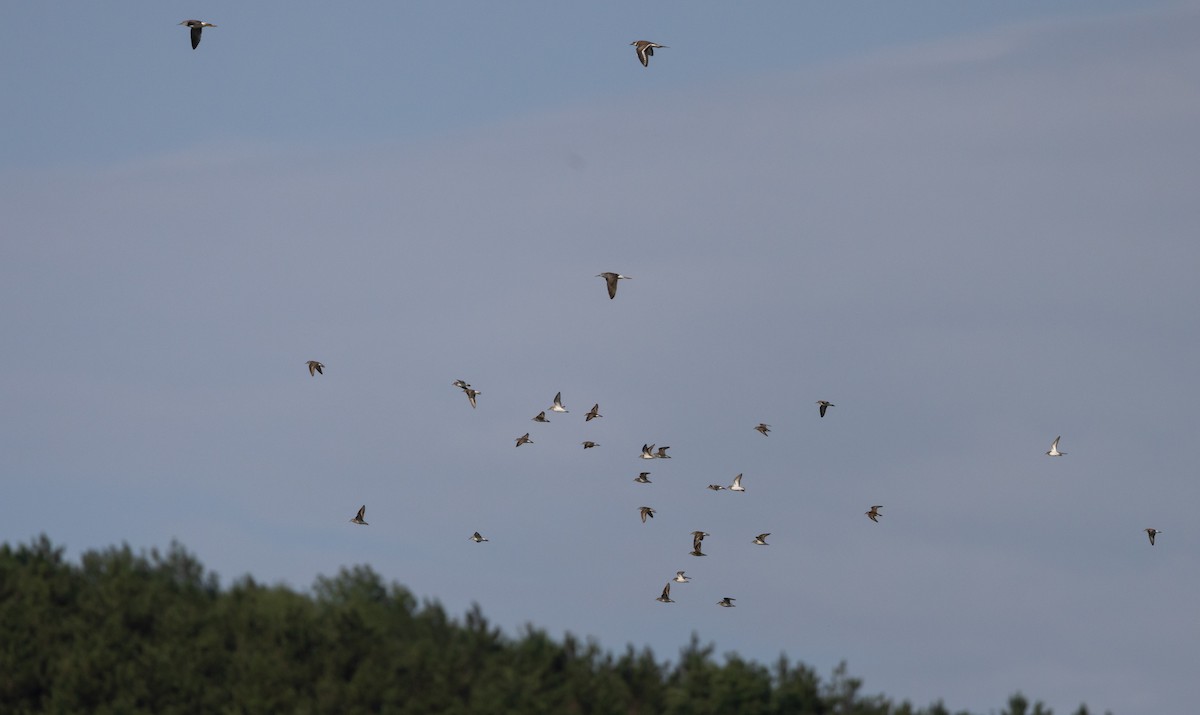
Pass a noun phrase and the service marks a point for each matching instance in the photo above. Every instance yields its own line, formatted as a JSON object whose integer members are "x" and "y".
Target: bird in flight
{"x": 611, "y": 279}
{"x": 645, "y": 50}
{"x": 697, "y": 539}
{"x": 662, "y": 453}
{"x": 1054, "y": 448}
{"x": 358, "y": 518}
{"x": 761, "y": 539}
{"x": 197, "y": 27}
{"x": 467, "y": 390}
{"x": 477, "y": 537}
{"x": 643, "y": 478}
{"x": 825, "y": 405}
{"x": 541, "y": 417}
{"x": 524, "y": 439}
{"x": 666, "y": 594}
{"x": 680, "y": 578}
{"x": 647, "y": 451}
{"x": 726, "y": 602}
{"x": 558, "y": 406}
{"x": 646, "y": 512}
{"x": 874, "y": 514}
{"x": 715, "y": 487}
{"x": 593, "y": 413}
{"x": 737, "y": 484}
{"x": 589, "y": 444}
{"x": 315, "y": 368}
{"x": 764, "y": 428}
{"x": 1152, "y": 533}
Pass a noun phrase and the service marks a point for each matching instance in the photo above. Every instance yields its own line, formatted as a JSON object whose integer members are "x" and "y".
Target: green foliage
{"x": 136, "y": 633}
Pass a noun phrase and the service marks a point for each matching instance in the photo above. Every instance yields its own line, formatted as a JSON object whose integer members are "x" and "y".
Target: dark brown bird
{"x": 197, "y": 27}
{"x": 645, "y": 50}
{"x": 874, "y": 514}
{"x": 612, "y": 278}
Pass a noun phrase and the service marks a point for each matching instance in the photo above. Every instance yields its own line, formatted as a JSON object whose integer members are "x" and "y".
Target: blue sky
{"x": 967, "y": 225}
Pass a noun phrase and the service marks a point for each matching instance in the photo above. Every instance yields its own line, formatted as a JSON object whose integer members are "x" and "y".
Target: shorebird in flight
{"x": 761, "y": 539}
{"x": 666, "y": 594}
{"x": 764, "y": 428}
{"x": 726, "y": 602}
{"x": 477, "y": 537}
{"x": 715, "y": 487}
{"x": 557, "y": 406}
{"x": 737, "y": 484}
{"x": 589, "y": 444}
{"x": 874, "y": 514}
{"x": 697, "y": 539}
{"x": 358, "y": 518}
{"x": 612, "y": 278}
{"x": 315, "y": 368}
{"x": 1152, "y": 533}
{"x": 466, "y": 388}
{"x": 643, "y": 478}
{"x": 825, "y": 405}
{"x": 646, "y": 512}
{"x": 645, "y": 50}
{"x": 593, "y": 413}
{"x": 1054, "y": 448}
{"x": 680, "y": 578}
{"x": 662, "y": 453}
{"x": 541, "y": 417}
{"x": 524, "y": 439}
{"x": 647, "y": 451}
{"x": 197, "y": 27}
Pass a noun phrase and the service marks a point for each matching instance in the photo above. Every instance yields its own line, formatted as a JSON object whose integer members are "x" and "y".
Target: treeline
{"x": 136, "y": 633}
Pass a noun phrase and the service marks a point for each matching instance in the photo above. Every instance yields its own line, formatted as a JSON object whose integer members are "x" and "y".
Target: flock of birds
{"x": 644, "y": 50}
{"x": 653, "y": 451}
